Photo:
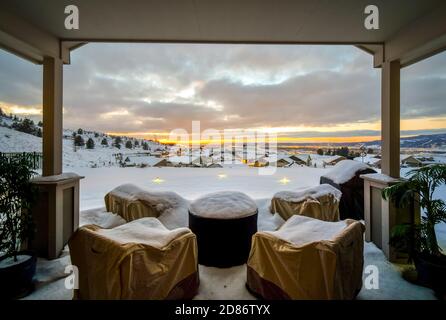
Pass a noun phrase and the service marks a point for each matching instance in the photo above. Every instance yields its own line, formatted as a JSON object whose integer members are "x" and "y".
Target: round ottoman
{"x": 224, "y": 223}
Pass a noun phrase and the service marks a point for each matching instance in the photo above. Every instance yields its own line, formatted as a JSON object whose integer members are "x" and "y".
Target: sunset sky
{"x": 302, "y": 93}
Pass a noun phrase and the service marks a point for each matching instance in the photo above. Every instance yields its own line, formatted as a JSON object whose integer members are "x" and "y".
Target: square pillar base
{"x": 381, "y": 215}
{"x": 55, "y": 214}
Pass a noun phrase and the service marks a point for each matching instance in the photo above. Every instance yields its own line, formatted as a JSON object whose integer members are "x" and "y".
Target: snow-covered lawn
{"x": 191, "y": 183}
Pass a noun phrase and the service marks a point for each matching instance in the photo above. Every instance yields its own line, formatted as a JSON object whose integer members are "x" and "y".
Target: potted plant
{"x": 419, "y": 240}
{"x": 17, "y": 194}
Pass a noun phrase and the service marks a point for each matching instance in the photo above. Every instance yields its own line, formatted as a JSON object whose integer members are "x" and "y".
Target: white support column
{"x": 390, "y": 118}
{"x": 52, "y": 116}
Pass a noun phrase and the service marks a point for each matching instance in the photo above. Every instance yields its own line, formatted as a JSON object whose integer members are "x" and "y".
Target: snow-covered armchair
{"x": 307, "y": 259}
{"x": 132, "y": 202}
{"x": 320, "y": 202}
{"x": 137, "y": 260}
{"x": 345, "y": 176}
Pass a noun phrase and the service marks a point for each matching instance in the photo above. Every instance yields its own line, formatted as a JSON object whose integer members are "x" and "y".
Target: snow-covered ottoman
{"x": 320, "y": 202}
{"x": 307, "y": 259}
{"x": 132, "y": 202}
{"x": 224, "y": 223}
{"x": 345, "y": 176}
{"x": 137, "y": 260}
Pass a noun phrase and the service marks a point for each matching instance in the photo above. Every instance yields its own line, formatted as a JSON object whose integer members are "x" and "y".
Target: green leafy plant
{"x": 419, "y": 187}
{"x": 17, "y": 195}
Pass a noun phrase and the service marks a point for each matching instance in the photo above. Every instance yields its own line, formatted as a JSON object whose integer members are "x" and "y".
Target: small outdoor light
{"x": 222, "y": 176}
{"x": 284, "y": 180}
{"x": 158, "y": 180}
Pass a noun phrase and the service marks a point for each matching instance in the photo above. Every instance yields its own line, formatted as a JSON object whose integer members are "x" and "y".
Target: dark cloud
{"x": 159, "y": 87}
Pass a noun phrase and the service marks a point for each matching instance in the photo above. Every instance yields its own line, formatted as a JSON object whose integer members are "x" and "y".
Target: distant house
{"x": 202, "y": 161}
{"x": 163, "y": 163}
{"x": 156, "y": 153}
{"x": 298, "y": 160}
{"x": 143, "y": 161}
{"x": 183, "y": 161}
{"x": 374, "y": 162}
{"x": 215, "y": 165}
{"x": 410, "y": 161}
{"x": 334, "y": 160}
{"x": 283, "y": 162}
{"x": 406, "y": 160}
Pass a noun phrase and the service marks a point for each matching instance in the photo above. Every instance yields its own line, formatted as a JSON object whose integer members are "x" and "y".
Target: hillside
{"x": 101, "y": 156}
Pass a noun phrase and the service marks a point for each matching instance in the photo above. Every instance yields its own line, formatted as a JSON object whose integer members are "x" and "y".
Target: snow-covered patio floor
{"x": 215, "y": 283}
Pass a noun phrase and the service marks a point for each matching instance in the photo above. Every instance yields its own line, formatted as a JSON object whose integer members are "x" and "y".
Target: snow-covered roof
{"x": 148, "y": 160}
{"x": 368, "y": 159}
{"x": 182, "y": 159}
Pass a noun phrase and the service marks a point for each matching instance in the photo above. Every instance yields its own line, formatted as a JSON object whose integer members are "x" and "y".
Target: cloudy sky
{"x": 304, "y": 93}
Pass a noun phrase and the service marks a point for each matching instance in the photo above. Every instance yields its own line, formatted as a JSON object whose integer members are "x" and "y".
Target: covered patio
{"x": 35, "y": 31}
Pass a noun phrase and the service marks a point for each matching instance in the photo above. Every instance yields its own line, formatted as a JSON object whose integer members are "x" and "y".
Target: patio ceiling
{"x": 303, "y": 21}
{"x": 247, "y": 21}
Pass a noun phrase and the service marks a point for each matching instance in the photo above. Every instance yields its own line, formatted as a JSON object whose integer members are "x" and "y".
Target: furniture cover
{"x": 224, "y": 223}
{"x": 138, "y": 260}
{"x": 307, "y": 259}
{"x": 320, "y": 202}
{"x": 132, "y": 202}
{"x": 345, "y": 176}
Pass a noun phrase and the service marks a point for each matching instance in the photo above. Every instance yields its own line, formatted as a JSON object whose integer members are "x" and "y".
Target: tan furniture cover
{"x": 307, "y": 259}
{"x": 320, "y": 202}
{"x": 132, "y": 202}
{"x": 138, "y": 260}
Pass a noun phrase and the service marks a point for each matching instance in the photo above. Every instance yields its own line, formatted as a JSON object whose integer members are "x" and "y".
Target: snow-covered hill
{"x": 101, "y": 156}
{"x": 15, "y": 141}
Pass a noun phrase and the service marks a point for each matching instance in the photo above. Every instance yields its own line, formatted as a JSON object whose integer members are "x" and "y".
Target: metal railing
{"x": 35, "y": 158}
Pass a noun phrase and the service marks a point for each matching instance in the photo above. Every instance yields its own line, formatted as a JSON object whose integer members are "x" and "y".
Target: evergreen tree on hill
{"x": 79, "y": 141}
{"x": 26, "y": 126}
{"x": 104, "y": 142}
{"x": 80, "y": 131}
{"x": 129, "y": 144}
{"x": 117, "y": 142}
{"x": 145, "y": 145}
{"x": 90, "y": 143}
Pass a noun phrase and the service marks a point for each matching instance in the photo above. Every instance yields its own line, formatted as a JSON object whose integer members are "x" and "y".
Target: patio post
{"x": 52, "y": 116}
{"x": 390, "y": 118}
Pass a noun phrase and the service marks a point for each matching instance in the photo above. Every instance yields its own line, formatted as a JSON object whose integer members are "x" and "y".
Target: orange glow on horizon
{"x": 163, "y": 138}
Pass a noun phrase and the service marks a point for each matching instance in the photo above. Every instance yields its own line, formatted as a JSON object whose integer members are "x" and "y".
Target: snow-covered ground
{"x": 192, "y": 183}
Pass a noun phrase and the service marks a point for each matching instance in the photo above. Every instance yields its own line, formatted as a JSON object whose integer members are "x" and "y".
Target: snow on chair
{"x": 307, "y": 259}
{"x": 320, "y": 202}
{"x": 132, "y": 202}
{"x": 138, "y": 260}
